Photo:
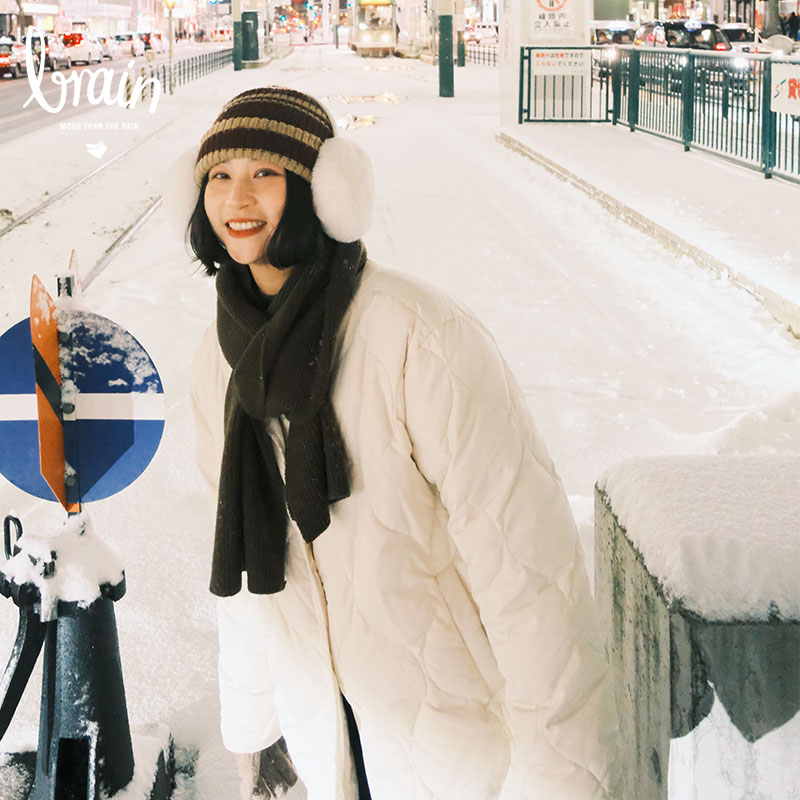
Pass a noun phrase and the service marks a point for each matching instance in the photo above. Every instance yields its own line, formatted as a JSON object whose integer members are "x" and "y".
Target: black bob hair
{"x": 298, "y": 239}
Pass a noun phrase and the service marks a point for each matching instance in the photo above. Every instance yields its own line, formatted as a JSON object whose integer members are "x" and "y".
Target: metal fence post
{"x": 616, "y": 88}
{"x": 726, "y": 92}
{"x": 687, "y": 101}
{"x": 768, "y": 123}
{"x": 633, "y": 90}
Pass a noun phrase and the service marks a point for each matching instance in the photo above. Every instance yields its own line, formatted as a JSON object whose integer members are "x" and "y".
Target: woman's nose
{"x": 240, "y": 192}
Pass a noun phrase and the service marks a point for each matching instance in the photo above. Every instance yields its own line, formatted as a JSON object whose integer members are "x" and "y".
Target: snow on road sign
{"x": 110, "y": 405}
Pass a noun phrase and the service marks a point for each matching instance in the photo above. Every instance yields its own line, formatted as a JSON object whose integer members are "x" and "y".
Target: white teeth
{"x": 244, "y": 226}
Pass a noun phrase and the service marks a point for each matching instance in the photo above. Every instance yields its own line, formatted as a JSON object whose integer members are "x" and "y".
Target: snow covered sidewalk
{"x": 722, "y": 215}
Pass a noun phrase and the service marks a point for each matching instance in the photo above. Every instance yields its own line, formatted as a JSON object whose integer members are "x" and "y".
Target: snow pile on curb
{"x": 720, "y": 533}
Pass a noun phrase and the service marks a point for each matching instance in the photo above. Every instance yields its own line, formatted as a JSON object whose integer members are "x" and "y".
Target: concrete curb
{"x": 783, "y": 310}
{"x": 267, "y": 58}
{"x": 261, "y": 62}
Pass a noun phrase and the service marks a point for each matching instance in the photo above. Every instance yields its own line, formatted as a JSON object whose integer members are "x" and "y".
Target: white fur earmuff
{"x": 343, "y": 189}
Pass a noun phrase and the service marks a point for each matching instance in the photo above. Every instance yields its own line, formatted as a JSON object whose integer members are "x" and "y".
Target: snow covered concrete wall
{"x": 725, "y": 690}
{"x": 636, "y": 622}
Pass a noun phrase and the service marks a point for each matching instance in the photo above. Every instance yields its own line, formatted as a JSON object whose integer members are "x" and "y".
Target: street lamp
{"x": 170, "y": 36}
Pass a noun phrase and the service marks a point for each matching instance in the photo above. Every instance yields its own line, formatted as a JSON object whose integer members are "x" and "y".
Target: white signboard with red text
{"x": 545, "y": 24}
{"x": 560, "y": 61}
{"x": 785, "y": 94}
{"x": 556, "y": 22}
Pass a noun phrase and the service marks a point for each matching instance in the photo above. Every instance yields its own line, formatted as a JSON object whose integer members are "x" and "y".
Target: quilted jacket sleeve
{"x": 474, "y": 440}
{"x": 249, "y": 721}
{"x": 248, "y": 718}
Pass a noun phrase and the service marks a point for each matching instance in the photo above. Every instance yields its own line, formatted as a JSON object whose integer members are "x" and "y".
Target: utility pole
{"x": 446, "y": 87}
{"x": 461, "y": 24}
{"x": 170, "y": 37}
{"x": 270, "y": 16}
{"x": 773, "y": 25}
{"x": 236, "y": 17}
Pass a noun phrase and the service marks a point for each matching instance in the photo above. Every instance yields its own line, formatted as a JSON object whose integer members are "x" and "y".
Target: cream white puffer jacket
{"x": 448, "y": 599}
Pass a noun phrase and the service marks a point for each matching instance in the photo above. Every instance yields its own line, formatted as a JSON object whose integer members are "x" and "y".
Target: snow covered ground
{"x": 621, "y": 349}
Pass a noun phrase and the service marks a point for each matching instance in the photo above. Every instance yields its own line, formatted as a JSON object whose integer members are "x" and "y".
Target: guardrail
{"x": 482, "y": 54}
{"x": 187, "y": 69}
{"x": 715, "y": 102}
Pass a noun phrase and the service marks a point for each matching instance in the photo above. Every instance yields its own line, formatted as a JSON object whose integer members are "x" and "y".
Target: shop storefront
{"x": 8, "y": 17}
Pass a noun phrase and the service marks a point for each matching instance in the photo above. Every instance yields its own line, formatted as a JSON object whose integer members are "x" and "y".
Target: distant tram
{"x": 373, "y": 29}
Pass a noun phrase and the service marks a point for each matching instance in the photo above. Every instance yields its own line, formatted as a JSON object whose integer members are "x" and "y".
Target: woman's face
{"x": 244, "y": 201}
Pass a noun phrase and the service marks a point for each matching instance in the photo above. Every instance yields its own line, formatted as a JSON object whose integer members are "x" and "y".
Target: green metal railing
{"x": 188, "y": 69}
{"x": 482, "y": 54}
{"x": 715, "y": 102}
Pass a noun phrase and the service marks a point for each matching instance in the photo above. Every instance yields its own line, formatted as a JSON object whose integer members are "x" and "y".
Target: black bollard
{"x": 85, "y": 746}
{"x": 85, "y": 750}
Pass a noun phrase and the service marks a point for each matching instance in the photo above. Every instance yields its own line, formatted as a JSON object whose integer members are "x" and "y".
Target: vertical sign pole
{"x": 446, "y": 80}
{"x": 513, "y": 29}
{"x": 69, "y": 418}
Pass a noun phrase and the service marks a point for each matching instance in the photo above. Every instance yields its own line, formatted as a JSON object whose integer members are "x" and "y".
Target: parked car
{"x": 744, "y": 38}
{"x": 12, "y": 58}
{"x": 110, "y": 47}
{"x": 154, "y": 41}
{"x": 56, "y": 55}
{"x": 688, "y": 33}
{"x": 481, "y": 33}
{"x": 612, "y": 31}
{"x": 130, "y": 44}
{"x": 83, "y": 46}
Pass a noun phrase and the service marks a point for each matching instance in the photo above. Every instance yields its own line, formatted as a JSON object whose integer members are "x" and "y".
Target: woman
{"x": 415, "y": 618}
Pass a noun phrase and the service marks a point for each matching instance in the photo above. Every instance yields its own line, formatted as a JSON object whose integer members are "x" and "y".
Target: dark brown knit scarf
{"x": 282, "y": 364}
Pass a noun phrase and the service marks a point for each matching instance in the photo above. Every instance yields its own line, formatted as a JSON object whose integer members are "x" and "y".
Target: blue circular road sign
{"x": 115, "y": 427}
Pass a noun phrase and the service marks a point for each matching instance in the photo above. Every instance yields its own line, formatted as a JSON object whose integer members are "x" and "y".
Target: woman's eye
{"x": 218, "y": 175}
{"x": 266, "y": 173}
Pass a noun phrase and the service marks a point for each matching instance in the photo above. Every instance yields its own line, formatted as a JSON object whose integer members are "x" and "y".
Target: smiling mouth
{"x": 248, "y": 225}
{"x": 239, "y": 229}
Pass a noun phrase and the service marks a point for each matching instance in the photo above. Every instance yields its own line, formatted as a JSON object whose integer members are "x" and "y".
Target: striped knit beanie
{"x": 295, "y": 131}
{"x": 274, "y": 124}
